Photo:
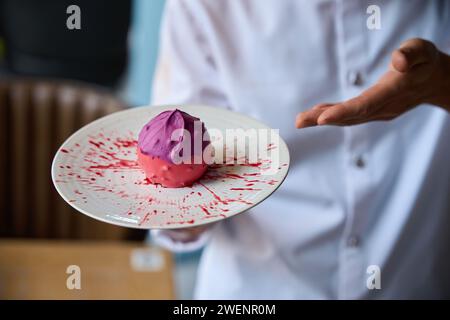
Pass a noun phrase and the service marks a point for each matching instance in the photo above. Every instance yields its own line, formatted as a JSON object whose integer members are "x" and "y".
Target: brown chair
{"x": 35, "y": 118}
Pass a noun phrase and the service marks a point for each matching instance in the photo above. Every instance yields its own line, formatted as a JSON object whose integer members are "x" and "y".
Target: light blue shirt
{"x": 369, "y": 195}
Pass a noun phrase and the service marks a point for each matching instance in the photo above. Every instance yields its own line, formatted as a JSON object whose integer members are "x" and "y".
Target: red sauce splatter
{"x": 258, "y": 164}
{"x": 205, "y": 210}
{"x": 96, "y": 144}
{"x": 107, "y": 156}
{"x": 144, "y": 219}
{"x": 233, "y": 175}
{"x": 214, "y": 194}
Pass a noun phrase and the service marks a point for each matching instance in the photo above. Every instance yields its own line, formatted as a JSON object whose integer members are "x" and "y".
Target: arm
{"x": 185, "y": 74}
{"x": 419, "y": 73}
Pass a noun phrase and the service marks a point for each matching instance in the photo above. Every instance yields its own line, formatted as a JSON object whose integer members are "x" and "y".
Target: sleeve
{"x": 186, "y": 72}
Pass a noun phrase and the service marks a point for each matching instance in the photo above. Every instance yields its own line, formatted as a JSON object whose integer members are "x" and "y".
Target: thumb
{"x": 412, "y": 53}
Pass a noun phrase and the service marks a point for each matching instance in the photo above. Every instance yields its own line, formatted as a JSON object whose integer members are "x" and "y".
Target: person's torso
{"x": 373, "y": 194}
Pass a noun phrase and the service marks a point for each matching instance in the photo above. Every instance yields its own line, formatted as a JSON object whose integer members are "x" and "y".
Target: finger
{"x": 411, "y": 53}
{"x": 322, "y": 106}
{"x": 309, "y": 118}
{"x": 196, "y": 231}
{"x": 389, "y": 111}
{"x": 353, "y": 122}
{"x": 186, "y": 234}
{"x": 344, "y": 112}
{"x": 360, "y": 108}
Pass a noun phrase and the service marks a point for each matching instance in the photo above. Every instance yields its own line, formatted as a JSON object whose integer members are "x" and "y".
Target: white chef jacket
{"x": 375, "y": 194}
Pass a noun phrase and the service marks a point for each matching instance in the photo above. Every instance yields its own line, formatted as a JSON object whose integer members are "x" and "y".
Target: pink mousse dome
{"x": 157, "y": 150}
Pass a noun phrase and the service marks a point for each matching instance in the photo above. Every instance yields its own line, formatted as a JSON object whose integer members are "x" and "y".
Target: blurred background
{"x": 53, "y": 80}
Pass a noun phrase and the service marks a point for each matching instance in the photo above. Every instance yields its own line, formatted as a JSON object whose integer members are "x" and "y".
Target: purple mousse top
{"x": 155, "y": 138}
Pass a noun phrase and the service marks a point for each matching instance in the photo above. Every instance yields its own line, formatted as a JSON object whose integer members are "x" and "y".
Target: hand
{"x": 419, "y": 73}
{"x": 186, "y": 234}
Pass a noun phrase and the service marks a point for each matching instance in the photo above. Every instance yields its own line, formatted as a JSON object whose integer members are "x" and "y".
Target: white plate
{"x": 95, "y": 171}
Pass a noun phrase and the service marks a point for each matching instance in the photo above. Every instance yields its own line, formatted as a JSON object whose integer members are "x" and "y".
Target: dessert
{"x": 171, "y": 149}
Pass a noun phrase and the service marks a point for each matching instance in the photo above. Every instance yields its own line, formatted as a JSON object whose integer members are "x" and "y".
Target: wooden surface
{"x": 36, "y": 269}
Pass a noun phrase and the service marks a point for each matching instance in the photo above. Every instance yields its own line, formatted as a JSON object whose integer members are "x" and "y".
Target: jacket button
{"x": 359, "y": 162}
